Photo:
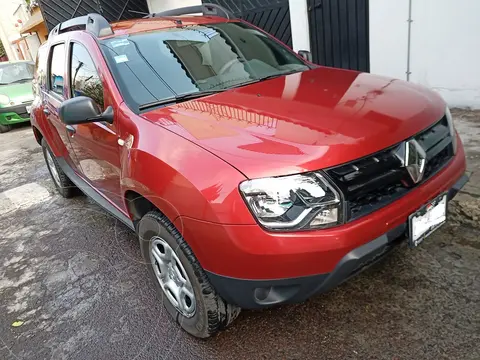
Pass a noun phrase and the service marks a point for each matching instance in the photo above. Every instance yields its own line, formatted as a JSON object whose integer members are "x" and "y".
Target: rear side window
{"x": 84, "y": 77}
{"x": 57, "y": 69}
{"x": 40, "y": 76}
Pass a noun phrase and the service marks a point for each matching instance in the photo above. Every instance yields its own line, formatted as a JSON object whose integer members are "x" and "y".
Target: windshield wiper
{"x": 268, "y": 77}
{"x": 179, "y": 98}
{"x": 194, "y": 95}
{"x": 280, "y": 74}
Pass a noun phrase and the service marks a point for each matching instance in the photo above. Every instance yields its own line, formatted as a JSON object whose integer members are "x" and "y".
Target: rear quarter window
{"x": 57, "y": 69}
{"x": 40, "y": 76}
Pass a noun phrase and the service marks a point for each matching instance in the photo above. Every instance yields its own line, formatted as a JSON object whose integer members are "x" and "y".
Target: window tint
{"x": 84, "y": 77}
{"x": 159, "y": 65}
{"x": 57, "y": 69}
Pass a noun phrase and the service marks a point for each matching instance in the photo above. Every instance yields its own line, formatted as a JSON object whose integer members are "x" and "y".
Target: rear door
{"x": 54, "y": 95}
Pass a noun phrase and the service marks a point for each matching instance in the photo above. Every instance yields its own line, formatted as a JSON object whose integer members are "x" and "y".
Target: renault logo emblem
{"x": 413, "y": 158}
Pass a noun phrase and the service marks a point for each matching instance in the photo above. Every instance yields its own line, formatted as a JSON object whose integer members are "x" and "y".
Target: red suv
{"x": 251, "y": 176}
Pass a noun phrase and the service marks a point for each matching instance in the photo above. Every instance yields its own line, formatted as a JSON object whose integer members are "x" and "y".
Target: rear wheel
{"x": 5, "y": 128}
{"x": 180, "y": 280}
{"x": 64, "y": 185}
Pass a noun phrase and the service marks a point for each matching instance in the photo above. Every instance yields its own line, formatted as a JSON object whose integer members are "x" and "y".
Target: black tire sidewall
{"x": 66, "y": 188}
{"x": 197, "y": 325}
{"x": 5, "y": 128}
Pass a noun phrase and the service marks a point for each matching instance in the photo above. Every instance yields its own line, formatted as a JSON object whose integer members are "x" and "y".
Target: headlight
{"x": 453, "y": 133}
{"x": 304, "y": 201}
{"x": 4, "y": 100}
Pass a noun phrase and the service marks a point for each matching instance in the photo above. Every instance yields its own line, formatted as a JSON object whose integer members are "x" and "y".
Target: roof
{"x": 35, "y": 20}
{"x": 152, "y": 24}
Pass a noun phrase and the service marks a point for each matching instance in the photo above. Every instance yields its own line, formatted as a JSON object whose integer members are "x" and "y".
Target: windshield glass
{"x": 16, "y": 72}
{"x": 154, "y": 66}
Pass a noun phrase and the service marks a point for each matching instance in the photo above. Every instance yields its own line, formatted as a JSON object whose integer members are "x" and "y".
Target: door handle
{"x": 71, "y": 130}
{"x": 46, "y": 111}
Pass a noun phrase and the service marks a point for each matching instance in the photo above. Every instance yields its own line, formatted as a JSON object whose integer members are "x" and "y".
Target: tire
{"x": 5, "y": 128}
{"x": 212, "y": 313}
{"x": 63, "y": 184}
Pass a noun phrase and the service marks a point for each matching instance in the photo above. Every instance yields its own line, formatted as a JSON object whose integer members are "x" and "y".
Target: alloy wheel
{"x": 172, "y": 277}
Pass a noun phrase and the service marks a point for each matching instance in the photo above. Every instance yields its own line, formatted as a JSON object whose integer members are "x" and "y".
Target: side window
{"x": 84, "y": 77}
{"x": 40, "y": 76}
{"x": 57, "y": 69}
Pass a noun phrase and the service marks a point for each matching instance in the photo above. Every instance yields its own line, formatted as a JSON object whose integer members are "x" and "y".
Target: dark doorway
{"x": 339, "y": 33}
{"x": 273, "y": 16}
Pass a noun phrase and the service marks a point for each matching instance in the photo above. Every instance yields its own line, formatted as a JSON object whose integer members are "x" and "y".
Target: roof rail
{"x": 95, "y": 24}
{"x": 205, "y": 9}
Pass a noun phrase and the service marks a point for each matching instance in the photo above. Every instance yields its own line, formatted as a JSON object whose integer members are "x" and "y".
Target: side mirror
{"x": 81, "y": 110}
{"x": 307, "y": 55}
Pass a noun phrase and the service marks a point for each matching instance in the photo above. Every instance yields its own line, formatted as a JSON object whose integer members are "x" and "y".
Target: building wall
{"x": 42, "y": 33}
{"x": 4, "y": 38}
{"x": 33, "y": 42}
{"x": 444, "y": 45}
{"x": 23, "y": 45}
{"x": 8, "y": 31}
{"x": 162, "y": 5}
{"x": 40, "y": 29}
{"x": 299, "y": 24}
{"x": 444, "y": 37}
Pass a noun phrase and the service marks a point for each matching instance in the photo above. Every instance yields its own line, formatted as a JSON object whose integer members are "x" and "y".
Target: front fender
{"x": 182, "y": 179}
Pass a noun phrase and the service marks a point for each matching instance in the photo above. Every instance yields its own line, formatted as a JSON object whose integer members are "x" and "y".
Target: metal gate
{"x": 273, "y": 16}
{"x": 339, "y": 33}
{"x": 57, "y": 11}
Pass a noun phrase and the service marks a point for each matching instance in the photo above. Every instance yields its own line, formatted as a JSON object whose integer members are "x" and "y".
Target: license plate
{"x": 427, "y": 219}
{"x": 29, "y": 108}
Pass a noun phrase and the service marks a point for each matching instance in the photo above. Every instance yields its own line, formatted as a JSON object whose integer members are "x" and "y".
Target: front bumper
{"x": 262, "y": 293}
{"x": 14, "y": 114}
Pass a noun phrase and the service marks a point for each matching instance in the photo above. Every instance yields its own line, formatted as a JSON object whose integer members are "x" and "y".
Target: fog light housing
{"x": 325, "y": 217}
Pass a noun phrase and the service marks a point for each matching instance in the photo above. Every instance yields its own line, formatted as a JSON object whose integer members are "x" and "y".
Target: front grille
{"x": 375, "y": 181}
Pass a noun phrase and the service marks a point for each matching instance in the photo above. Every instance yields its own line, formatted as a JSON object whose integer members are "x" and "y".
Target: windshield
{"x": 16, "y": 72}
{"x": 154, "y": 66}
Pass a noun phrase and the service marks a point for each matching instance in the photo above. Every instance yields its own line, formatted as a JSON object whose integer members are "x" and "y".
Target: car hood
{"x": 304, "y": 121}
{"x": 18, "y": 92}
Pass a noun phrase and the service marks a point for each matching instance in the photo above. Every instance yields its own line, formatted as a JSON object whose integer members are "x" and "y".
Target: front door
{"x": 95, "y": 144}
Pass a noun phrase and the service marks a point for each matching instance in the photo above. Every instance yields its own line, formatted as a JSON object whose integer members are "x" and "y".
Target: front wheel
{"x": 5, "y": 128}
{"x": 180, "y": 280}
